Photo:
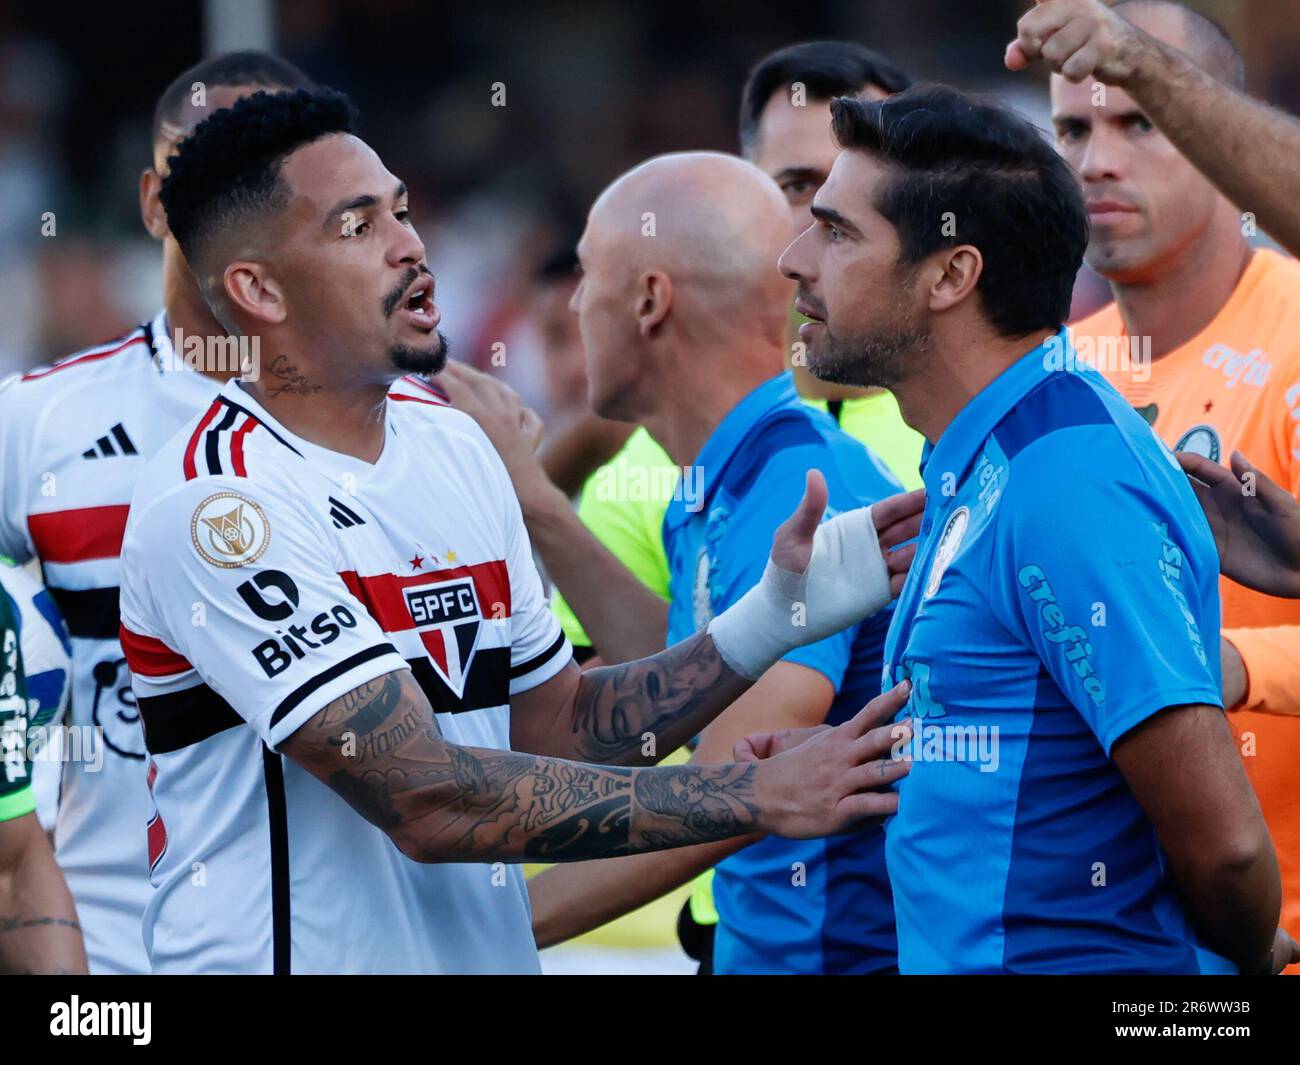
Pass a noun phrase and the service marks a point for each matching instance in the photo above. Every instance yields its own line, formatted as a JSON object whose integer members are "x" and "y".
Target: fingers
{"x": 1036, "y": 28}
{"x": 1204, "y": 470}
{"x": 868, "y": 806}
{"x": 877, "y": 774}
{"x": 792, "y": 544}
{"x": 808, "y": 514}
{"x": 904, "y": 511}
{"x": 1083, "y": 64}
{"x": 882, "y": 708}
{"x": 1066, "y": 42}
{"x": 748, "y": 748}
{"x": 1270, "y": 493}
{"x": 1015, "y": 58}
{"x": 899, "y": 561}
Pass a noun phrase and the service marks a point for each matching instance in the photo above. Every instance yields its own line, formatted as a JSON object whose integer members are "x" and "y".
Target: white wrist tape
{"x": 846, "y": 581}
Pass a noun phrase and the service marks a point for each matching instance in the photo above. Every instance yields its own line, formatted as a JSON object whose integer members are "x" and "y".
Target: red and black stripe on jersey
{"x": 216, "y": 446}
{"x": 141, "y": 334}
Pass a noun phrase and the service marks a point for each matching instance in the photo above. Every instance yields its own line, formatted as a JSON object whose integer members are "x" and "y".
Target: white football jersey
{"x": 74, "y": 437}
{"x": 264, "y": 577}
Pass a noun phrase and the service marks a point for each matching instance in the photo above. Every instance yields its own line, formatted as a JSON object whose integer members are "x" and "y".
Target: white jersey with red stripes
{"x": 74, "y": 437}
{"x": 265, "y": 577}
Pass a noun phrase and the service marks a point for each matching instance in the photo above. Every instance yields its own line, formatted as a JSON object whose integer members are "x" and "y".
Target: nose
{"x": 795, "y": 262}
{"x": 405, "y": 247}
{"x": 1103, "y": 155}
{"x": 575, "y": 300}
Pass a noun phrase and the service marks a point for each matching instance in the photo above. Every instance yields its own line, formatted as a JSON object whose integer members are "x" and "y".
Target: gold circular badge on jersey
{"x": 230, "y": 530}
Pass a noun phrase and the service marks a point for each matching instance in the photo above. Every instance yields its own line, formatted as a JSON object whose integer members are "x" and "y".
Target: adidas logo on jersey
{"x": 104, "y": 446}
{"x": 344, "y": 517}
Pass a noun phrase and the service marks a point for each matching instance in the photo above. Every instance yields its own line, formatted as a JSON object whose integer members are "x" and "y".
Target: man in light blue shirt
{"x": 1076, "y": 803}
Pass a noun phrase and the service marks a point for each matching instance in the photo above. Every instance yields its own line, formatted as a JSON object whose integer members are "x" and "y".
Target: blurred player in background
{"x": 785, "y": 130}
{"x": 38, "y": 921}
{"x": 684, "y": 334}
{"x": 1076, "y": 802}
{"x": 1222, "y": 320}
{"x": 73, "y": 439}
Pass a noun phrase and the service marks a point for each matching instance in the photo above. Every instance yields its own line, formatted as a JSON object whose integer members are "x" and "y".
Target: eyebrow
{"x": 833, "y": 218}
{"x": 801, "y": 173}
{"x": 1086, "y": 117}
{"x": 359, "y": 202}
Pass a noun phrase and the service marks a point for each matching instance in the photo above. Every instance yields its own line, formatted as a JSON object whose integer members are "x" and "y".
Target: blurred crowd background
{"x": 591, "y": 87}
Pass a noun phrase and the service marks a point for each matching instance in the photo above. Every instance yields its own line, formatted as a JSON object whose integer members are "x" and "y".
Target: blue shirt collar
{"x": 964, "y": 438}
{"x": 730, "y": 435}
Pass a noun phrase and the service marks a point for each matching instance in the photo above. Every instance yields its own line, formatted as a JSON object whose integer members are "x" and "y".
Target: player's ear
{"x": 958, "y": 272}
{"x": 252, "y": 290}
{"x": 151, "y": 208}
{"x": 654, "y": 295}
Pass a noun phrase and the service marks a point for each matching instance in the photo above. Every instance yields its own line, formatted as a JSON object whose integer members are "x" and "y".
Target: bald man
{"x": 1213, "y": 317}
{"x": 683, "y": 317}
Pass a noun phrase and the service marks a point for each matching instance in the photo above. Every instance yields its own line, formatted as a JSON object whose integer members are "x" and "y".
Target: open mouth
{"x": 808, "y": 311}
{"x": 417, "y": 306}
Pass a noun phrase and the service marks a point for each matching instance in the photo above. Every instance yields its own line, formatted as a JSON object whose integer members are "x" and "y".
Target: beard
{"x": 425, "y": 359}
{"x": 880, "y": 358}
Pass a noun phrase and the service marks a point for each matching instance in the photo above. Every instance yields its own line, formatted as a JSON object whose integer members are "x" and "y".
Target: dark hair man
{"x": 1118, "y": 832}
{"x": 373, "y": 644}
{"x": 73, "y": 439}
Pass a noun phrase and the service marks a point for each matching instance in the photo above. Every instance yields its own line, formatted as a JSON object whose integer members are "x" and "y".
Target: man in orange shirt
{"x": 1208, "y": 329}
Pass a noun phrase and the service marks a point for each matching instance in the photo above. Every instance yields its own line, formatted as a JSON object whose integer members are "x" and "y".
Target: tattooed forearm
{"x": 671, "y": 695}
{"x": 445, "y": 802}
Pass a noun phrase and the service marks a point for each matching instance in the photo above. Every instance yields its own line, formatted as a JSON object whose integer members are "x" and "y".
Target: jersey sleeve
{"x": 766, "y": 497}
{"x": 1111, "y": 576}
{"x": 233, "y": 599}
{"x": 15, "y": 431}
{"x": 16, "y": 795}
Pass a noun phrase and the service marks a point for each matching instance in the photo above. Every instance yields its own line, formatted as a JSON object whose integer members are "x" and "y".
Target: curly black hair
{"x": 964, "y": 171}
{"x": 228, "y": 170}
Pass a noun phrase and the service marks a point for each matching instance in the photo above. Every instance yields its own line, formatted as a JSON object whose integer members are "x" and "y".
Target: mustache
{"x": 807, "y": 297}
{"x": 395, "y": 297}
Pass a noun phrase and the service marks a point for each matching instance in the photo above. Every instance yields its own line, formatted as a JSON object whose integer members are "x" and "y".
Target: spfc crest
{"x": 448, "y": 619}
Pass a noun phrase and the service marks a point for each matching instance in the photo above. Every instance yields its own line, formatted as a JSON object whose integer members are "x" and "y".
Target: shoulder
{"x": 779, "y": 442}
{"x": 25, "y": 398}
{"x": 1073, "y": 440}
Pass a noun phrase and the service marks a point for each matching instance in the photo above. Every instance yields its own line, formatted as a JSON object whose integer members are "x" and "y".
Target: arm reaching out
{"x": 439, "y": 801}
{"x": 821, "y": 578}
{"x": 1245, "y": 147}
{"x": 1256, "y": 523}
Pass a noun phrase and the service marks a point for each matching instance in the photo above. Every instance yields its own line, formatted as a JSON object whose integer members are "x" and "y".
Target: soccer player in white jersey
{"x": 73, "y": 439}
{"x": 360, "y": 712}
